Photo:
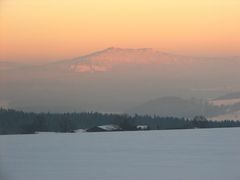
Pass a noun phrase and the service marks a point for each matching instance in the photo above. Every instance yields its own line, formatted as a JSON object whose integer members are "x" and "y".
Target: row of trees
{"x": 18, "y": 122}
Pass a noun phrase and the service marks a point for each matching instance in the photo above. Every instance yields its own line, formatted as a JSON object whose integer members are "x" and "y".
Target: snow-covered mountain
{"x": 111, "y": 58}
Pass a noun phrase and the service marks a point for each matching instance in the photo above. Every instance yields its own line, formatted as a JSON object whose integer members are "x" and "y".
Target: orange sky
{"x": 58, "y": 29}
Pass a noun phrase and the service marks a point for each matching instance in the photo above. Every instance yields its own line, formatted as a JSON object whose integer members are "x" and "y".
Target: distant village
{"x": 115, "y": 127}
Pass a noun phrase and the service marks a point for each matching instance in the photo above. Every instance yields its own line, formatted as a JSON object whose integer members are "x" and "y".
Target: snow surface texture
{"x": 199, "y": 154}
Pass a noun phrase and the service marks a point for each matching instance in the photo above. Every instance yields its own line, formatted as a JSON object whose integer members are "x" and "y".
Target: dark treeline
{"x": 18, "y": 122}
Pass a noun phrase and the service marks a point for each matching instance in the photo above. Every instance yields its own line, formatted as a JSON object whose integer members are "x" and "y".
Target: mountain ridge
{"x": 106, "y": 59}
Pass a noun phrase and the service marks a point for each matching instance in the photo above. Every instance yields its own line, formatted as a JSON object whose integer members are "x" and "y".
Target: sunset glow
{"x": 56, "y": 29}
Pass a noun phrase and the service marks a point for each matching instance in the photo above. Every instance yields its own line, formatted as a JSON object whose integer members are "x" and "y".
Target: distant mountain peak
{"x": 111, "y": 57}
{"x": 127, "y": 49}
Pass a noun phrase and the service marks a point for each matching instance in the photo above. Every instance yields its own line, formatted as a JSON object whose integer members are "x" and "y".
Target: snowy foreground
{"x": 197, "y": 154}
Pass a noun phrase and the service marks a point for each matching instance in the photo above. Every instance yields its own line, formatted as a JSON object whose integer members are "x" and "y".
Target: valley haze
{"x": 118, "y": 80}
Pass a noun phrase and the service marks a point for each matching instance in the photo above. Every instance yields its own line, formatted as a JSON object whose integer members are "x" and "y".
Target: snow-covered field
{"x": 225, "y": 102}
{"x": 198, "y": 154}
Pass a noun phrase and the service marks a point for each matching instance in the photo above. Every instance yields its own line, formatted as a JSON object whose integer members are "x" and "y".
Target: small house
{"x": 105, "y": 128}
{"x": 142, "y": 127}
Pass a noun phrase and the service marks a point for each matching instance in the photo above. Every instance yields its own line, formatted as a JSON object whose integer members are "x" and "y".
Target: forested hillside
{"x": 18, "y": 122}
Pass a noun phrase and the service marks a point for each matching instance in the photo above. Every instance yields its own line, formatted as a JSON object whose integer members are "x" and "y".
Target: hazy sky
{"x": 58, "y": 29}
